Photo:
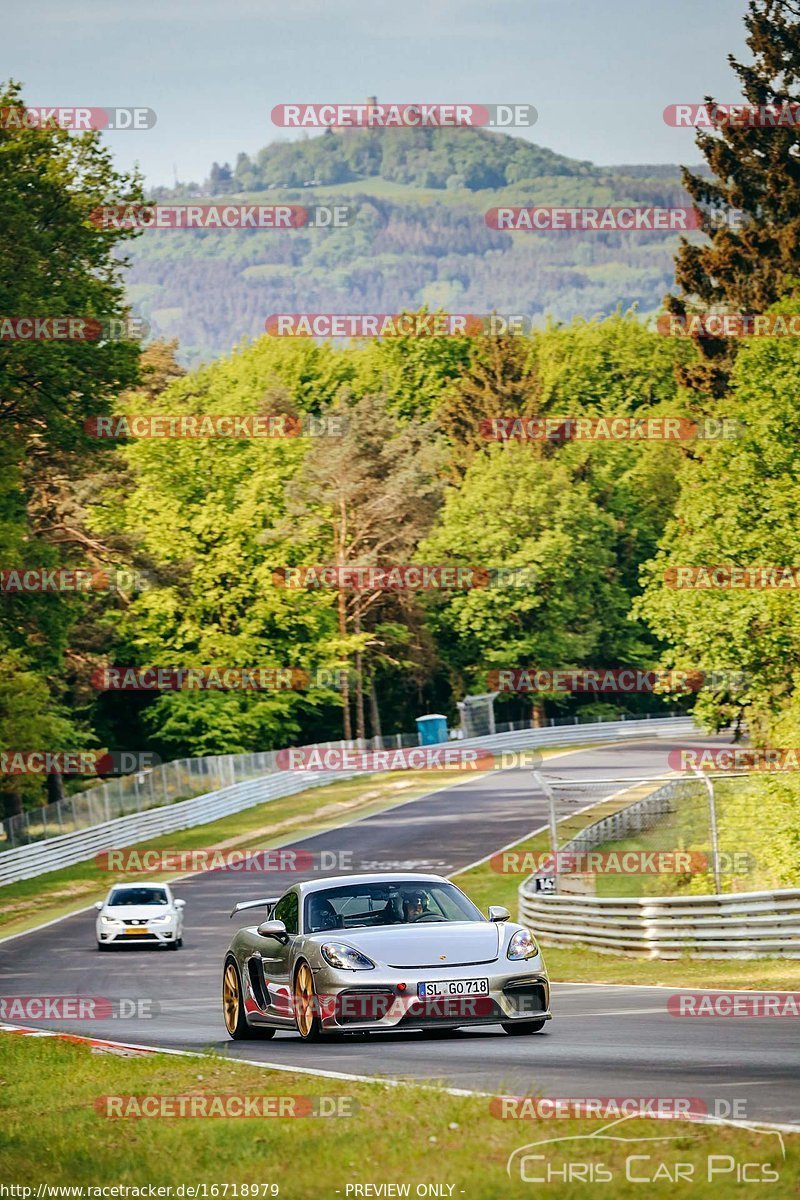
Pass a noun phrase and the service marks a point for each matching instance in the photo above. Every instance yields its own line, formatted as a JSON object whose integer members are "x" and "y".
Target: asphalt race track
{"x": 603, "y": 1040}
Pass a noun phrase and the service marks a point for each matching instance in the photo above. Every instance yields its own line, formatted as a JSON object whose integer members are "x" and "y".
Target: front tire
{"x": 306, "y": 1005}
{"x": 233, "y": 1002}
{"x": 517, "y": 1028}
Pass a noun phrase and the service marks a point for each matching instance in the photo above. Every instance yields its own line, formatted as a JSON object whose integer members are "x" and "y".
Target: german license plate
{"x": 453, "y": 987}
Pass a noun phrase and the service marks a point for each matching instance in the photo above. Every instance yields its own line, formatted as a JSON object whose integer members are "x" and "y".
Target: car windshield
{"x": 400, "y": 902}
{"x": 137, "y": 895}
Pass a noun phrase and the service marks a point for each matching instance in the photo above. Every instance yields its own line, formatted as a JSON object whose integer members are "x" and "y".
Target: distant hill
{"x": 417, "y": 237}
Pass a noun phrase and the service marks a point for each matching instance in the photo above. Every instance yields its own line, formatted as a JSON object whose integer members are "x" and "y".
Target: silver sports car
{"x": 378, "y": 952}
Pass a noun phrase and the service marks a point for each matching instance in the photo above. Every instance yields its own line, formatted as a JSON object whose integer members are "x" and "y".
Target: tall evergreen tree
{"x": 748, "y": 261}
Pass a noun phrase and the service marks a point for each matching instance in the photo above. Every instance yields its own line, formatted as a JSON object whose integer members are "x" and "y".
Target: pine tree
{"x": 748, "y": 263}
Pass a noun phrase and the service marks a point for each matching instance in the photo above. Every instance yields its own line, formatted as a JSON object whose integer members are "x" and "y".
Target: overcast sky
{"x": 599, "y": 73}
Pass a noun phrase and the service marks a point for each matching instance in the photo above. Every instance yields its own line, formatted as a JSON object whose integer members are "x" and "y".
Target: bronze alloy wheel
{"x": 232, "y": 999}
{"x": 305, "y": 1005}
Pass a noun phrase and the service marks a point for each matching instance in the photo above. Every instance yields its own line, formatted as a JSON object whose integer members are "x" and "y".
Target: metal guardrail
{"x": 738, "y": 925}
{"x": 733, "y": 925}
{"x": 25, "y": 862}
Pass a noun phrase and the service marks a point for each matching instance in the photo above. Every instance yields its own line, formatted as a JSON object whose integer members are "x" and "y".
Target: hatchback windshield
{"x": 396, "y": 903}
{"x": 137, "y": 895}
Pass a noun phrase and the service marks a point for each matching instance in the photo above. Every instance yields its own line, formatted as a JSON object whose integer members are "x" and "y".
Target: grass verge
{"x": 406, "y": 1136}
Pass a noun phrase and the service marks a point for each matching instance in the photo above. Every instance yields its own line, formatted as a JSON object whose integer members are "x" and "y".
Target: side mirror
{"x": 180, "y": 904}
{"x": 497, "y": 912}
{"x": 273, "y": 929}
{"x": 99, "y": 905}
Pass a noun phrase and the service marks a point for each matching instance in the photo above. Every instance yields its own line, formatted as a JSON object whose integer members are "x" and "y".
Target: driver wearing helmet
{"x": 413, "y": 906}
{"x": 322, "y": 915}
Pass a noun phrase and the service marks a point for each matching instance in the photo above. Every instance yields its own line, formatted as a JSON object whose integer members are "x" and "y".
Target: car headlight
{"x": 346, "y": 957}
{"x": 522, "y": 945}
{"x": 159, "y": 920}
{"x": 108, "y": 920}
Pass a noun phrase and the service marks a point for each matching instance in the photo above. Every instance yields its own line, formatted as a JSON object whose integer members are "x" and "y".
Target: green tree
{"x": 739, "y": 505}
{"x": 55, "y": 261}
{"x": 516, "y": 511}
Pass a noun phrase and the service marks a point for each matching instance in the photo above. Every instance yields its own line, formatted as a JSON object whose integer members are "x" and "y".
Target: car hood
{"x": 141, "y": 912}
{"x": 428, "y": 945}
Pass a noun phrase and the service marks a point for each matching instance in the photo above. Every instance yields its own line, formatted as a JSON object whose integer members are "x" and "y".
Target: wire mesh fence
{"x": 699, "y": 834}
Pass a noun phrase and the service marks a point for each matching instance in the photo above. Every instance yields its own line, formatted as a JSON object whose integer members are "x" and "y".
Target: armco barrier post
{"x": 712, "y": 813}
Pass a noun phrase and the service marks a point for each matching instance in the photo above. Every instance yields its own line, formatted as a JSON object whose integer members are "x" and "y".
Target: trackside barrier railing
{"x": 738, "y": 925}
{"x": 734, "y": 925}
{"x": 25, "y": 862}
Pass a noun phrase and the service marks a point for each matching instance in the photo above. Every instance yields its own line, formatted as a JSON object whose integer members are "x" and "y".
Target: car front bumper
{"x": 348, "y": 1000}
{"x": 119, "y": 933}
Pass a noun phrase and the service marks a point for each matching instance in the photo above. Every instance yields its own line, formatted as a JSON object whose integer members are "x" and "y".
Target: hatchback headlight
{"x": 347, "y": 958}
{"x": 523, "y": 945}
{"x": 108, "y": 920}
{"x": 159, "y": 920}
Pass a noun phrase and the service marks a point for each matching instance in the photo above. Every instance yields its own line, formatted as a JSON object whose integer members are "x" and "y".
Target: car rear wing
{"x": 268, "y": 903}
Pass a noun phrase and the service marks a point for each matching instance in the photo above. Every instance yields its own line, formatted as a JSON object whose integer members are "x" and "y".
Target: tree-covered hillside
{"x": 417, "y": 237}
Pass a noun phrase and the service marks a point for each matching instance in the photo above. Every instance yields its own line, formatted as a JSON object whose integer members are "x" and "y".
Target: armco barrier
{"x": 25, "y": 862}
{"x": 739, "y": 925}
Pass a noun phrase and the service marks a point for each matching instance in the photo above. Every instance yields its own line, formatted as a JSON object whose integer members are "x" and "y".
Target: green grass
{"x": 54, "y": 1133}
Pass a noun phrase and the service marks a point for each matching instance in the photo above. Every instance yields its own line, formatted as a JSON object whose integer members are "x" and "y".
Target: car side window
{"x": 287, "y": 910}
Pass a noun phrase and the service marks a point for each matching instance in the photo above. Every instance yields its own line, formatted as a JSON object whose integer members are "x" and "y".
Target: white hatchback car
{"x": 140, "y": 912}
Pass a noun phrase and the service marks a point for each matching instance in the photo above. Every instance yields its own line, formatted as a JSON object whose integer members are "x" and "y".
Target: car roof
{"x": 317, "y": 885}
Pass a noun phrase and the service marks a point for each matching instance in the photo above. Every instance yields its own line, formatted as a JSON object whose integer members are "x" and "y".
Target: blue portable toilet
{"x": 432, "y": 729}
